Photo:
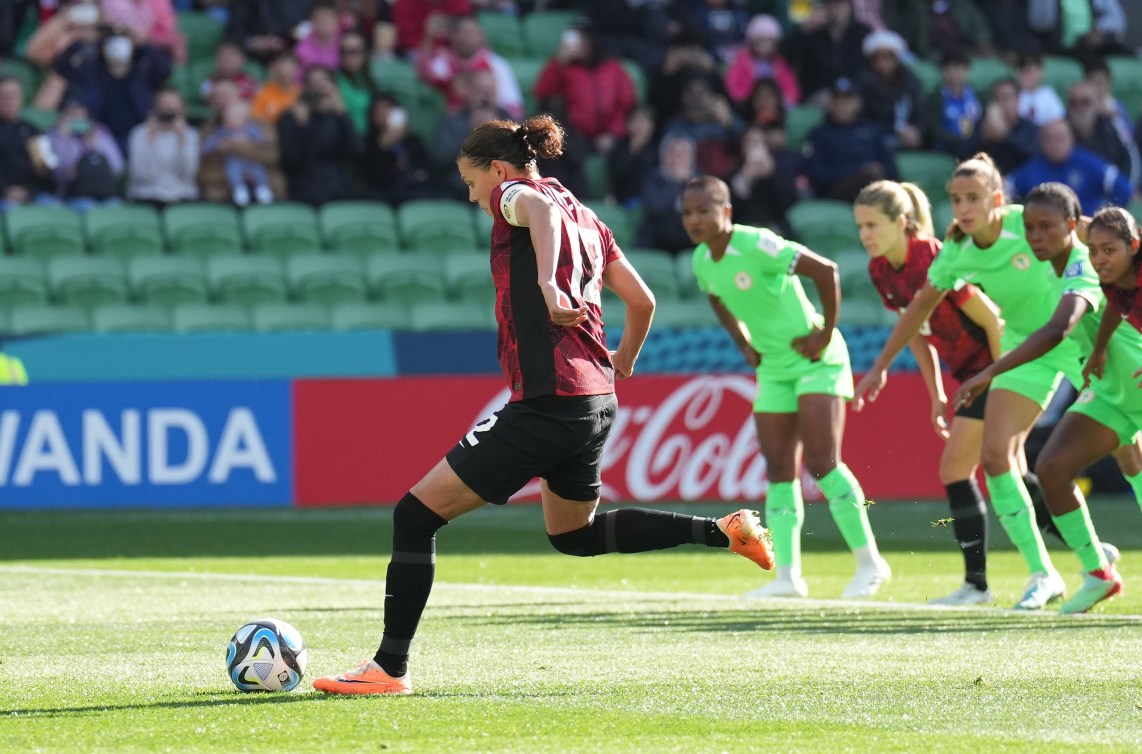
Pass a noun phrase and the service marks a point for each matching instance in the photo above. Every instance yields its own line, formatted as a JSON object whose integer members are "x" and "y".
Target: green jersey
{"x": 754, "y": 279}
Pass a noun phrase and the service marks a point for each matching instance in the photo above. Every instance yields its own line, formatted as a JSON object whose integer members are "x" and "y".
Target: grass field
{"x": 113, "y": 627}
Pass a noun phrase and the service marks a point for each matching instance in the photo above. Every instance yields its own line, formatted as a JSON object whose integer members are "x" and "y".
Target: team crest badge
{"x": 1021, "y": 261}
{"x": 1085, "y": 396}
{"x": 743, "y": 281}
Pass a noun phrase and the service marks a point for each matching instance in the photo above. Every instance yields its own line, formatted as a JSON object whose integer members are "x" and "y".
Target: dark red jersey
{"x": 1128, "y": 302}
{"x": 961, "y": 343}
{"x": 537, "y": 356}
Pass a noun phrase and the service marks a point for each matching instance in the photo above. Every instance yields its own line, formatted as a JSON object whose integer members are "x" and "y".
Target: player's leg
{"x": 777, "y": 439}
{"x": 1129, "y": 460}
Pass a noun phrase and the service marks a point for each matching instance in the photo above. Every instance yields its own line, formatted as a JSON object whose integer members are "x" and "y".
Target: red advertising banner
{"x": 676, "y": 438}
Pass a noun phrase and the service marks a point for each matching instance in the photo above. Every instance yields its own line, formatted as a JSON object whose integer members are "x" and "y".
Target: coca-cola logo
{"x": 696, "y": 442}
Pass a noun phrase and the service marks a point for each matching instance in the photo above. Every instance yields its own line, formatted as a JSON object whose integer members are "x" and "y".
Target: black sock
{"x": 1042, "y": 514}
{"x": 639, "y": 530}
{"x": 409, "y": 580}
{"x": 969, "y": 522}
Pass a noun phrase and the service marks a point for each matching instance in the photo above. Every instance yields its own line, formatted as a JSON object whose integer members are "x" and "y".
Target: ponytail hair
{"x": 540, "y": 137}
{"x": 895, "y": 200}
{"x": 979, "y": 167}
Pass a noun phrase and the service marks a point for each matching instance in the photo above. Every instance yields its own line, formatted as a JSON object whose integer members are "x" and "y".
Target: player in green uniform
{"x": 803, "y": 376}
{"x": 1105, "y": 416}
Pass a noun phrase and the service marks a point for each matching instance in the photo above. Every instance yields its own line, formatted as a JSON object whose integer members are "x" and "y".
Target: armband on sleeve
{"x": 508, "y": 200}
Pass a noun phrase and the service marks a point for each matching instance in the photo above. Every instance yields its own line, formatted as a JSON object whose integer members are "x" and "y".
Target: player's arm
{"x": 538, "y": 213}
{"x": 929, "y": 364}
{"x": 1067, "y": 314}
{"x": 624, "y": 280}
{"x": 823, "y": 272}
{"x": 984, "y": 312}
{"x": 1096, "y": 362}
{"x": 736, "y": 330}
{"x": 911, "y": 321}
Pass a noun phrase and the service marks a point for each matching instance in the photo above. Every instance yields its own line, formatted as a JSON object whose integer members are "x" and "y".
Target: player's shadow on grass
{"x": 212, "y": 699}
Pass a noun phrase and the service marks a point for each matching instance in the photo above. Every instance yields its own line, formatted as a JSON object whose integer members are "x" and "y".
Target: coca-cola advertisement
{"x": 677, "y": 438}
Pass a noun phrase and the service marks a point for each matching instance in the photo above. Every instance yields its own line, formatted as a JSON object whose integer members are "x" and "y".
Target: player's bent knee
{"x": 412, "y": 517}
{"x": 1053, "y": 468}
{"x": 581, "y": 542}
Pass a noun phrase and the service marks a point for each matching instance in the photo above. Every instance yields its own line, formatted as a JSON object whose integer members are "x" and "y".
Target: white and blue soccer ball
{"x": 266, "y": 655}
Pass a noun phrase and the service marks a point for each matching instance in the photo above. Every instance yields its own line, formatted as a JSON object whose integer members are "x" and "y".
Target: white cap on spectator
{"x": 884, "y": 40}
{"x": 763, "y": 26}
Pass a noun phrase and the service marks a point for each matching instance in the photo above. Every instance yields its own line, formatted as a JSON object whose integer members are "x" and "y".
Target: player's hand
{"x": 624, "y": 365}
{"x": 970, "y": 389}
{"x": 751, "y": 356}
{"x": 1093, "y": 367}
{"x": 563, "y": 313}
{"x": 810, "y": 346}
{"x": 940, "y": 417}
{"x": 870, "y": 385}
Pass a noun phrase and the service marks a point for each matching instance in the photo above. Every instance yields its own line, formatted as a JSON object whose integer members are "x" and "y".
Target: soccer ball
{"x": 266, "y": 655}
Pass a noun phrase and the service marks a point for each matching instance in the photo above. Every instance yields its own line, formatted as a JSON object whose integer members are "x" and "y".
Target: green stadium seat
{"x": 326, "y": 278}
{"x": 598, "y": 177}
{"x": 44, "y": 232}
{"x": 168, "y": 281}
{"x": 124, "y": 231}
{"x": 203, "y": 32}
{"x": 1061, "y": 73}
{"x": 5, "y": 325}
{"x": 527, "y": 71}
{"x": 210, "y": 318}
{"x": 289, "y": 317}
{"x": 1125, "y": 76}
{"x": 359, "y": 227}
{"x": 368, "y": 316}
{"x": 24, "y": 72}
{"x": 202, "y": 229}
{"x": 246, "y": 280}
{"x": 129, "y": 318}
{"x": 469, "y": 278}
{"x": 826, "y": 226}
{"x": 677, "y": 313}
{"x": 850, "y": 263}
{"x": 504, "y": 33}
{"x": 986, "y": 71}
{"x": 483, "y": 222}
{"x": 542, "y": 31}
{"x": 928, "y": 73}
{"x": 396, "y": 77}
{"x": 637, "y": 77}
{"x": 88, "y": 282}
{"x": 927, "y": 169}
{"x": 799, "y": 121}
{"x": 687, "y": 283}
{"x": 22, "y": 281}
{"x": 865, "y": 312}
{"x": 425, "y": 113}
{"x": 36, "y": 319}
{"x": 281, "y": 229}
{"x": 941, "y": 217}
{"x": 619, "y": 221}
{"x": 39, "y": 117}
{"x": 405, "y": 278}
{"x": 436, "y": 225}
{"x": 428, "y": 316}
{"x": 656, "y": 268}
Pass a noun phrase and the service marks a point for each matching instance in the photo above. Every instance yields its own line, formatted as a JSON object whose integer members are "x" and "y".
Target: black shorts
{"x": 975, "y": 410}
{"x": 559, "y": 439}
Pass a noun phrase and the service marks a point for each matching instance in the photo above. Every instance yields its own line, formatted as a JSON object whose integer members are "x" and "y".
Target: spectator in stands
{"x": 1096, "y": 182}
{"x": 357, "y": 89}
{"x": 265, "y": 29}
{"x": 77, "y": 22}
{"x": 416, "y": 19}
{"x": 933, "y": 28}
{"x": 321, "y": 46}
{"x": 1097, "y": 73}
{"x": 826, "y": 47}
{"x": 467, "y": 50}
{"x": 242, "y": 173}
{"x": 1107, "y": 31}
{"x": 396, "y": 165}
{"x": 765, "y": 104}
{"x": 586, "y": 89}
{"x": 640, "y": 28}
{"x": 1011, "y": 31}
{"x": 318, "y": 143}
{"x": 229, "y": 65}
{"x": 759, "y": 58}
{"x": 22, "y": 178}
{"x": 87, "y": 163}
{"x": 1038, "y": 102}
{"x": 846, "y": 152}
{"x": 722, "y": 23}
{"x": 707, "y": 120}
{"x": 163, "y": 154}
{"x": 1097, "y": 133}
{"x": 150, "y": 22}
{"x": 1007, "y": 136}
{"x": 893, "y": 97}
{"x": 280, "y": 90}
{"x": 633, "y": 158}
{"x": 686, "y": 59}
{"x": 762, "y": 190}
{"x": 661, "y": 226}
{"x": 212, "y": 179}
{"x": 115, "y": 79}
{"x": 954, "y": 111}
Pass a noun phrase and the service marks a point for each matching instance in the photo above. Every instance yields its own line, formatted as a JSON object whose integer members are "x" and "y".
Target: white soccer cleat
{"x": 967, "y": 594}
{"x": 1110, "y": 552}
{"x": 867, "y": 580}
{"x": 1042, "y": 589}
{"x": 783, "y": 586}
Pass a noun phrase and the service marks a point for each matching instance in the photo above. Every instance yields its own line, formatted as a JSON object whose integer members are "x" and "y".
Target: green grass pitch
{"x": 113, "y": 627}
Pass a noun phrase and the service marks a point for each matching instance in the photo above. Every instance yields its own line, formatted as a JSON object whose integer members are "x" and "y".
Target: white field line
{"x": 552, "y": 591}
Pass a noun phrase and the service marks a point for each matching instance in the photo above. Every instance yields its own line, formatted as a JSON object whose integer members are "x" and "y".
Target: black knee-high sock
{"x": 409, "y": 580}
{"x": 1042, "y": 514}
{"x": 639, "y": 530}
{"x": 969, "y": 522}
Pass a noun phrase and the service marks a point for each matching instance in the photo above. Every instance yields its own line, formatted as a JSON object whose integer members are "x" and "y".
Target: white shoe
{"x": 1110, "y": 552}
{"x": 867, "y": 580}
{"x": 263, "y": 195}
{"x": 967, "y": 594}
{"x": 782, "y": 586}
{"x": 241, "y": 196}
{"x": 1042, "y": 589}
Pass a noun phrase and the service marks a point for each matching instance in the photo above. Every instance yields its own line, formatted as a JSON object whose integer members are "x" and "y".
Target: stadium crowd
{"x": 167, "y": 101}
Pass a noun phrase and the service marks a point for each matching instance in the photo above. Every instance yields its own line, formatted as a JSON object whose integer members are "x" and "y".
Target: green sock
{"x": 1136, "y": 485}
{"x": 1078, "y": 533}
{"x": 1013, "y": 506}
{"x": 847, "y": 504}
{"x": 784, "y": 515}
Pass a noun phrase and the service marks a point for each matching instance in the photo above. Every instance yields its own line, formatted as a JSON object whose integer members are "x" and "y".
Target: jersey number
{"x": 481, "y": 426}
{"x": 586, "y": 244}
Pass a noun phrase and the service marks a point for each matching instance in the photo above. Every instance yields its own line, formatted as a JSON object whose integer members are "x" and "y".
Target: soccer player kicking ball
{"x": 803, "y": 377}
{"x": 550, "y": 258}
{"x": 1107, "y": 415}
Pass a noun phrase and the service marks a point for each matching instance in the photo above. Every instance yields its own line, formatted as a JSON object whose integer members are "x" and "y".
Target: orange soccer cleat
{"x": 366, "y": 678}
{"x": 748, "y": 537}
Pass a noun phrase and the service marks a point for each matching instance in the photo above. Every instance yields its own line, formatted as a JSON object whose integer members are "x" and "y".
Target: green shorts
{"x": 1036, "y": 380}
{"x": 778, "y": 394}
{"x": 1124, "y": 420}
